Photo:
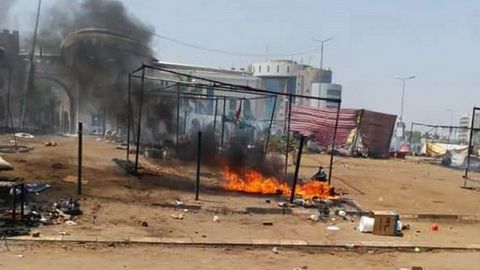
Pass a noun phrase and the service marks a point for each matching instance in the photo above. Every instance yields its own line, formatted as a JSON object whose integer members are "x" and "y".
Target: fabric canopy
{"x": 320, "y": 123}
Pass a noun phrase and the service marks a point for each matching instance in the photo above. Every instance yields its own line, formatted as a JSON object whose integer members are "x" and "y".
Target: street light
{"x": 321, "y": 50}
{"x": 403, "y": 92}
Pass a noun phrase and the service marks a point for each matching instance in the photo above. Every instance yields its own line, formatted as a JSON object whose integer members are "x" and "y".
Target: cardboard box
{"x": 385, "y": 223}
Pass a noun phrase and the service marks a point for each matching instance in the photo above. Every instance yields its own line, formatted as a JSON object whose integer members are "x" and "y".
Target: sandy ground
{"x": 101, "y": 257}
{"x": 115, "y": 205}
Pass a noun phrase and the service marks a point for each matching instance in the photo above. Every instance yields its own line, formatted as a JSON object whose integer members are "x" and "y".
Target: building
{"x": 11, "y": 76}
{"x": 325, "y": 90}
{"x": 287, "y": 76}
{"x": 463, "y": 134}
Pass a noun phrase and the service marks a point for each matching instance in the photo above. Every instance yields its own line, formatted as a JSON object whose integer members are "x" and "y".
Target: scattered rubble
{"x": 178, "y": 216}
{"x": 71, "y": 223}
{"x": 51, "y": 144}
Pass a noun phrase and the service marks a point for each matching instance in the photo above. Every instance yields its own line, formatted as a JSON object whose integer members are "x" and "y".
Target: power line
{"x": 220, "y": 51}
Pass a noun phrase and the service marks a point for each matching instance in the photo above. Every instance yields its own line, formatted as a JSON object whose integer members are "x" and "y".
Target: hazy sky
{"x": 436, "y": 40}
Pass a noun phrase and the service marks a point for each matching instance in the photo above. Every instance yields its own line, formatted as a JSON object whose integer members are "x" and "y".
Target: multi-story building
{"x": 11, "y": 76}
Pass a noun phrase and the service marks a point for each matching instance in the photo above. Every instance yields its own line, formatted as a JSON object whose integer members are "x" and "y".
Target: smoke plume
{"x": 5, "y": 6}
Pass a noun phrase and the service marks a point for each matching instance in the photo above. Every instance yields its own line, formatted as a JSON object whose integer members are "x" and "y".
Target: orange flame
{"x": 254, "y": 182}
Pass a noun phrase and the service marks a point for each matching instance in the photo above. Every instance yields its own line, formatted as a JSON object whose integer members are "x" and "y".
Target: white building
{"x": 325, "y": 90}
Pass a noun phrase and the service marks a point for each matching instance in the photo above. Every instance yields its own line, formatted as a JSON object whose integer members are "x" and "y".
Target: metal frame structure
{"x": 140, "y": 73}
{"x": 470, "y": 146}
{"x": 432, "y": 127}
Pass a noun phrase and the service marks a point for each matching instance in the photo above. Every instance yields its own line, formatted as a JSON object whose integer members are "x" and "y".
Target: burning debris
{"x": 252, "y": 181}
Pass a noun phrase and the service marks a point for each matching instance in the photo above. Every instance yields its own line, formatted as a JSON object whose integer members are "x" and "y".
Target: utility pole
{"x": 403, "y": 79}
{"x": 31, "y": 73}
{"x": 322, "y": 42}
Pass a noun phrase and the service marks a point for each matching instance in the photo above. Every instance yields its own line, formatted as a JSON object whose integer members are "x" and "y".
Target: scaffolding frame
{"x": 221, "y": 86}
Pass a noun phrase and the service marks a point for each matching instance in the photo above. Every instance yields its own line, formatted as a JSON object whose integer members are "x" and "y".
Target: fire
{"x": 254, "y": 182}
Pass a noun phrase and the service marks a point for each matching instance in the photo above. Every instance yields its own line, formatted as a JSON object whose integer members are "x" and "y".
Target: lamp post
{"x": 403, "y": 79}
{"x": 451, "y": 123}
{"x": 322, "y": 42}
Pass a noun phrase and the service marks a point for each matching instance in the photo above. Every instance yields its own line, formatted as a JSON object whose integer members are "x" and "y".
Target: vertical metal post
{"x": 290, "y": 100}
{"x": 411, "y": 133}
{"x": 223, "y": 120}
{"x": 215, "y": 116}
{"x": 139, "y": 127}
{"x": 14, "y": 210}
{"x": 330, "y": 169}
{"x": 79, "y": 166}
{"x": 129, "y": 119}
{"x": 8, "y": 95}
{"x": 465, "y": 177}
{"x": 185, "y": 122}
{"x": 199, "y": 154}
{"x": 267, "y": 142}
{"x": 178, "y": 116}
{"x": 22, "y": 200}
{"x": 297, "y": 168}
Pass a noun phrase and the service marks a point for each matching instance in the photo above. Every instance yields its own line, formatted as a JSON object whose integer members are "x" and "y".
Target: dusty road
{"x": 101, "y": 257}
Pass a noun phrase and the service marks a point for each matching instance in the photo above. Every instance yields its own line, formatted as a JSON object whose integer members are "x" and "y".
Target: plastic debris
{"x": 24, "y": 135}
{"x": 366, "y": 224}
{"x": 275, "y": 250}
{"x": 267, "y": 223}
{"x": 178, "y": 202}
{"x": 71, "y": 223}
{"x": 314, "y": 217}
{"x": 333, "y": 228}
{"x": 417, "y": 250}
{"x": 435, "y": 228}
{"x": 216, "y": 218}
{"x": 63, "y": 233}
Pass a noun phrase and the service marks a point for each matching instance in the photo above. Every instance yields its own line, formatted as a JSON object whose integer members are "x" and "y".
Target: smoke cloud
{"x": 5, "y": 6}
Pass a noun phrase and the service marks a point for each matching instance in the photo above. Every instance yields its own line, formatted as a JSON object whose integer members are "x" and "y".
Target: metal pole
{"x": 139, "y": 127}
{"x": 79, "y": 167}
{"x": 14, "y": 210}
{"x": 223, "y": 120}
{"x": 403, "y": 100}
{"x": 8, "y": 95}
{"x": 178, "y": 116}
{"x": 129, "y": 119}
{"x": 185, "y": 122}
{"x": 31, "y": 73}
{"x": 199, "y": 154}
{"x": 321, "y": 56}
{"x": 465, "y": 177}
{"x": 270, "y": 125}
{"x": 297, "y": 167}
{"x": 411, "y": 133}
{"x": 215, "y": 116}
{"x": 330, "y": 169}
{"x": 290, "y": 100}
{"x": 22, "y": 200}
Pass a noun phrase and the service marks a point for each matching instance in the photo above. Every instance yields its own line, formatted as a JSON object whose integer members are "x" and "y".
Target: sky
{"x": 438, "y": 41}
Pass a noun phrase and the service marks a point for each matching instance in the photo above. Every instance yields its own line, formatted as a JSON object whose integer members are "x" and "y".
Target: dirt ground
{"x": 114, "y": 206}
{"x": 101, "y": 257}
{"x": 409, "y": 186}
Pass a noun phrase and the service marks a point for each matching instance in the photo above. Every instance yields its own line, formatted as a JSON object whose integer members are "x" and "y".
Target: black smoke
{"x": 5, "y": 6}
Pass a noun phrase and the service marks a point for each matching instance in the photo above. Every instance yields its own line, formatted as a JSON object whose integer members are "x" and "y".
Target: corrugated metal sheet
{"x": 376, "y": 131}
